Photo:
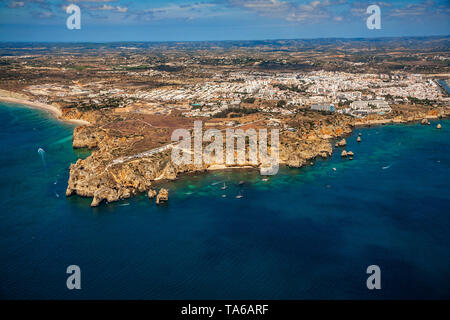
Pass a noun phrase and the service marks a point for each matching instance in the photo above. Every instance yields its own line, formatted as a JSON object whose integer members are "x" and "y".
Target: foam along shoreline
{"x": 368, "y": 123}
{"x": 42, "y": 106}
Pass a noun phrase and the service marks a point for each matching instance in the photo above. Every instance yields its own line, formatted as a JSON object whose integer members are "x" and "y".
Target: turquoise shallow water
{"x": 304, "y": 233}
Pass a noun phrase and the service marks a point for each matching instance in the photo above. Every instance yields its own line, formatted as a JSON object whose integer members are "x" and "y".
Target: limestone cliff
{"x": 103, "y": 178}
{"x": 99, "y": 177}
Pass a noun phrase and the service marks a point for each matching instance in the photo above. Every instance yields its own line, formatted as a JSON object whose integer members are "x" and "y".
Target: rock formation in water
{"x": 342, "y": 143}
{"x": 151, "y": 193}
{"x": 162, "y": 196}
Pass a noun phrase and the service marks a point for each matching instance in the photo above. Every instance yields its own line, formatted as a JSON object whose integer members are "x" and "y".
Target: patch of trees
{"x": 105, "y": 104}
{"x": 249, "y": 100}
{"x": 235, "y": 112}
{"x": 281, "y": 103}
{"x": 167, "y": 68}
{"x": 425, "y": 102}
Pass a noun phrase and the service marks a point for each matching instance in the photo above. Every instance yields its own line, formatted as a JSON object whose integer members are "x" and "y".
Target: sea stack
{"x": 342, "y": 143}
{"x": 358, "y": 139}
{"x": 151, "y": 193}
{"x": 344, "y": 153}
{"x": 439, "y": 126}
{"x": 350, "y": 154}
{"x": 162, "y": 196}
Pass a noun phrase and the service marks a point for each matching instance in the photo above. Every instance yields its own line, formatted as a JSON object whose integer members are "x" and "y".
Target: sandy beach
{"x": 42, "y": 106}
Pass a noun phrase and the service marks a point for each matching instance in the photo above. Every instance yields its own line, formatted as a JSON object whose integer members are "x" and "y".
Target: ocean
{"x": 306, "y": 233}
{"x": 444, "y": 84}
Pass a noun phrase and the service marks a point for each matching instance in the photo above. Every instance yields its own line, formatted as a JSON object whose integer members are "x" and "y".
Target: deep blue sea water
{"x": 306, "y": 233}
{"x": 443, "y": 83}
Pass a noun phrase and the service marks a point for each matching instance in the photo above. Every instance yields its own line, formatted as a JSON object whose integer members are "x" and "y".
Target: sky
{"x": 199, "y": 20}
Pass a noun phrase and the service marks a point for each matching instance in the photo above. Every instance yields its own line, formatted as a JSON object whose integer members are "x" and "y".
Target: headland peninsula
{"x": 128, "y": 98}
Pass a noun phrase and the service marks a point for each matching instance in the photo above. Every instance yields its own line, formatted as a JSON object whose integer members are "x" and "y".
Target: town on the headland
{"x": 132, "y": 96}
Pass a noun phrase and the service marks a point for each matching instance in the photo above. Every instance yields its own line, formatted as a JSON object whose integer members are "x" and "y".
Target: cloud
{"x": 401, "y": 9}
{"x": 261, "y": 5}
{"x": 305, "y": 11}
{"x": 359, "y": 9}
{"x": 42, "y": 14}
{"x": 121, "y": 9}
{"x": 106, "y": 7}
{"x": 175, "y": 11}
{"x": 413, "y": 9}
{"x": 291, "y": 11}
{"x": 16, "y": 4}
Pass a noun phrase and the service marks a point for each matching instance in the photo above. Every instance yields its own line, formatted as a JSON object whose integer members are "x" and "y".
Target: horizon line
{"x": 230, "y": 40}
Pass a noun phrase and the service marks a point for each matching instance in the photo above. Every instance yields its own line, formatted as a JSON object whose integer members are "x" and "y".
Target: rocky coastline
{"x": 100, "y": 178}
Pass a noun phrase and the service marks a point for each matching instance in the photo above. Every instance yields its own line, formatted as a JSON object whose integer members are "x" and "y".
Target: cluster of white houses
{"x": 363, "y": 108}
{"x": 357, "y": 108}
